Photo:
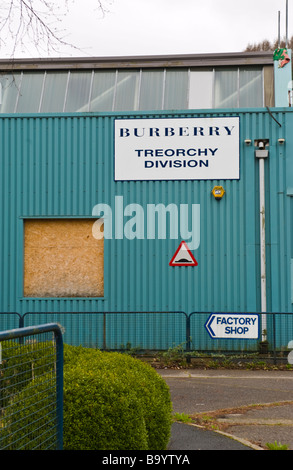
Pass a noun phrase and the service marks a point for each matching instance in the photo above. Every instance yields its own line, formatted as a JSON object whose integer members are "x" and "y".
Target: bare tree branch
{"x": 27, "y": 23}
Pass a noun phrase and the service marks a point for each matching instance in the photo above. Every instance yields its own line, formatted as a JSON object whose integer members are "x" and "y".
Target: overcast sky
{"x": 156, "y": 27}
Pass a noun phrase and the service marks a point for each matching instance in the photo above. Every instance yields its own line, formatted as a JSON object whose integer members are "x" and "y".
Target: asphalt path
{"x": 195, "y": 391}
{"x": 202, "y": 391}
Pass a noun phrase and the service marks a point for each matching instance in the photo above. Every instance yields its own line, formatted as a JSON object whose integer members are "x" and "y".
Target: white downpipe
{"x": 263, "y": 247}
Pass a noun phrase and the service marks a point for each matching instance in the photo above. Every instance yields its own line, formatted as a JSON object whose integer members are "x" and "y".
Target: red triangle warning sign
{"x": 183, "y": 256}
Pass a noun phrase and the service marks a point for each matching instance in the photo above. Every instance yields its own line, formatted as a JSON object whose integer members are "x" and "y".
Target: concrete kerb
{"x": 230, "y": 436}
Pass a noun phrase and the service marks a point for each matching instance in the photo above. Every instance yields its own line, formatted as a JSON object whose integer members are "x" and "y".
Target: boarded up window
{"x": 62, "y": 259}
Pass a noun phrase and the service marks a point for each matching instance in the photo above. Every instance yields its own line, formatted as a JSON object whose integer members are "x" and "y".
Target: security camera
{"x": 247, "y": 141}
{"x": 281, "y": 141}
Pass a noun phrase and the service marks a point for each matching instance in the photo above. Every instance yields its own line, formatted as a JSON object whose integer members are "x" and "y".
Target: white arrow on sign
{"x": 233, "y": 325}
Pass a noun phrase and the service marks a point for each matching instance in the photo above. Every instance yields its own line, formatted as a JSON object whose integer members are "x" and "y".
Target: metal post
{"x": 274, "y": 338}
{"x": 188, "y": 338}
{"x": 286, "y": 23}
{"x": 262, "y": 154}
{"x": 263, "y": 247}
{"x": 279, "y": 29}
{"x": 59, "y": 383}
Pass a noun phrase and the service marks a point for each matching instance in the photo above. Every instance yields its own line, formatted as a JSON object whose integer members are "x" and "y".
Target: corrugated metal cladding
{"x": 61, "y": 166}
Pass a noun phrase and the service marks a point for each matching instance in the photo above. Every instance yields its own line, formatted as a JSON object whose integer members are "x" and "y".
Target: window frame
{"x": 21, "y": 249}
{"x": 136, "y": 98}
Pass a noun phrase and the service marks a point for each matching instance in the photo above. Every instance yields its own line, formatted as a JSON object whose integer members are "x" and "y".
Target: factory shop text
{"x": 238, "y": 325}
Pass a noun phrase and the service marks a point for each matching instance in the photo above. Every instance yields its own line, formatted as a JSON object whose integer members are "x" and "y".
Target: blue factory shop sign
{"x": 233, "y": 326}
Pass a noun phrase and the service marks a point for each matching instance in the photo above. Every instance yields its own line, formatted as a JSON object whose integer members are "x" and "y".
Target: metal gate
{"x": 31, "y": 388}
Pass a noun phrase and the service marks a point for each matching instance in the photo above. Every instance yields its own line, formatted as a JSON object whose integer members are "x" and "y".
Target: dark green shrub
{"x": 113, "y": 401}
{"x": 100, "y": 413}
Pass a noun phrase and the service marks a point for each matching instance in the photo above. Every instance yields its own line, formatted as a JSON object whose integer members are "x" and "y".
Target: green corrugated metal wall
{"x": 62, "y": 166}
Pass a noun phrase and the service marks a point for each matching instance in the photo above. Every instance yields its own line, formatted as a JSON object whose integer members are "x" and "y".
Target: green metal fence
{"x": 31, "y": 388}
{"x": 155, "y": 331}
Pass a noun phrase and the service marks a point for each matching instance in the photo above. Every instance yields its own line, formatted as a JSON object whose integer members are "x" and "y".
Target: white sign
{"x": 177, "y": 149}
{"x": 183, "y": 256}
{"x": 233, "y": 326}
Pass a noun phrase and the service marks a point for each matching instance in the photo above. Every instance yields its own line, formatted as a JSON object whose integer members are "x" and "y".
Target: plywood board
{"x": 62, "y": 259}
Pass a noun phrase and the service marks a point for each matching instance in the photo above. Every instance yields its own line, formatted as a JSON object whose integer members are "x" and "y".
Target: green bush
{"x": 99, "y": 414}
{"x": 113, "y": 402}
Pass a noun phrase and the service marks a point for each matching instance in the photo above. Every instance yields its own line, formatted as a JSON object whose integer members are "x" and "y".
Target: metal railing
{"x": 31, "y": 388}
{"x": 161, "y": 330}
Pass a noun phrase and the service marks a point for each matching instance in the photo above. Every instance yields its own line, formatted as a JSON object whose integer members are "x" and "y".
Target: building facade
{"x": 108, "y": 165}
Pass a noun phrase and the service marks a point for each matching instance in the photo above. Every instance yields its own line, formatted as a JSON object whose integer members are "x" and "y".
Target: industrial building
{"x": 139, "y": 193}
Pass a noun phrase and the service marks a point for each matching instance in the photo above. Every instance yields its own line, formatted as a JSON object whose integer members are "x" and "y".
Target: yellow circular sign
{"x": 218, "y": 192}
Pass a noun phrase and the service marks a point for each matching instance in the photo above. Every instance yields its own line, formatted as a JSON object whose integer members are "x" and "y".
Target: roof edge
{"x": 185, "y": 60}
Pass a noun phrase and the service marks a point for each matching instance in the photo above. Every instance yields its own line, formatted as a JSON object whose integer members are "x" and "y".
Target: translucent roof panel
{"x": 226, "y": 89}
{"x": 239, "y": 88}
{"x": 10, "y": 85}
{"x": 151, "y": 90}
{"x": 250, "y": 88}
{"x": 176, "y": 89}
{"x": 199, "y": 89}
{"x": 53, "y": 99}
{"x": 78, "y": 92}
{"x": 102, "y": 93}
{"x": 130, "y": 90}
{"x": 127, "y": 90}
{"x": 30, "y": 93}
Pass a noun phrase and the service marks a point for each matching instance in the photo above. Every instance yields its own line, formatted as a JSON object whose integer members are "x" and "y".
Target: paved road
{"x": 196, "y": 391}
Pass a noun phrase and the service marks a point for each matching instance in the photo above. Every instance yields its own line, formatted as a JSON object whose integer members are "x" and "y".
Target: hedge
{"x": 113, "y": 402}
